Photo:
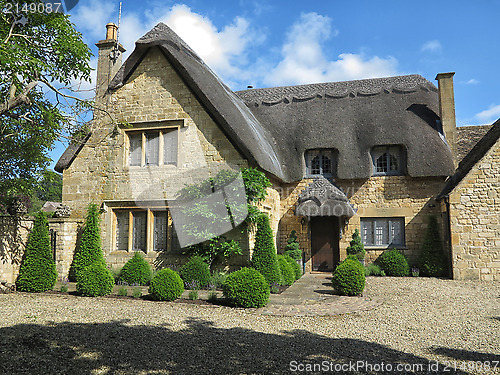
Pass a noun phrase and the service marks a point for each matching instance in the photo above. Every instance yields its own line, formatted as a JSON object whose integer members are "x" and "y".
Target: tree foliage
{"x": 356, "y": 246}
{"x": 37, "y": 54}
{"x": 432, "y": 258}
{"x": 38, "y": 269}
{"x": 264, "y": 258}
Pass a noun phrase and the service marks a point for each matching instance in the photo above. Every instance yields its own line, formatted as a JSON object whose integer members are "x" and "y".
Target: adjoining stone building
{"x": 370, "y": 154}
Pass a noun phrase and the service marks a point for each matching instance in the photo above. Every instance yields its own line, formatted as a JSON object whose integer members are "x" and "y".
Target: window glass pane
{"x": 367, "y": 231}
{"x": 316, "y": 165}
{"x": 393, "y": 163}
{"x": 122, "y": 225}
{"x": 327, "y": 165}
{"x": 170, "y": 147}
{"x": 396, "y": 231}
{"x": 152, "y": 147}
{"x": 160, "y": 231}
{"x": 381, "y": 164}
{"x": 139, "y": 231}
{"x": 135, "y": 156}
{"x": 381, "y": 232}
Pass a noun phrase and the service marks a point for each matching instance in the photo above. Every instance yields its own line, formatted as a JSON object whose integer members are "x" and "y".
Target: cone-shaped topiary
{"x": 38, "y": 269}
{"x": 349, "y": 278}
{"x": 136, "y": 271}
{"x": 89, "y": 250}
{"x": 297, "y": 270}
{"x": 287, "y": 271}
{"x": 195, "y": 272}
{"x": 167, "y": 285}
{"x": 246, "y": 288}
{"x": 95, "y": 280}
{"x": 264, "y": 257}
{"x": 393, "y": 263}
{"x": 432, "y": 258}
{"x": 356, "y": 246}
{"x": 292, "y": 249}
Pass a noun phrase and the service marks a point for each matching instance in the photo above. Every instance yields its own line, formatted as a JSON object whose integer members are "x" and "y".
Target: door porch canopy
{"x": 322, "y": 198}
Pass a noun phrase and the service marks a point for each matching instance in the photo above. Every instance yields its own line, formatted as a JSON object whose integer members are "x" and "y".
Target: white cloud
{"x": 432, "y": 46}
{"x": 489, "y": 115}
{"x": 304, "y": 60}
{"x": 472, "y": 81}
{"x": 91, "y": 22}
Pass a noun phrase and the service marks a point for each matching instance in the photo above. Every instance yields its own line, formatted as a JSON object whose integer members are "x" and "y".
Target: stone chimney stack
{"x": 447, "y": 110}
{"x": 108, "y": 63}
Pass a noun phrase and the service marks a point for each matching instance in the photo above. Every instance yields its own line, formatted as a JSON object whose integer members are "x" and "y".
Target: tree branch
{"x": 16, "y": 101}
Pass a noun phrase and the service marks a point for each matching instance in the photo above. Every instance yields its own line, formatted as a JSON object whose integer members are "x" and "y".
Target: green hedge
{"x": 136, "y": 271}
{"x": 95, "y": 280}
{"x": 432, "y": 258}
{"x": 349, "y": 278}
{"x": 246, "y": 288}
{"x": 297, "y": 269}
{"x": 287, "y": 271}
{"x": 264, "y": 257}
{"x": 166, "y": 285}
{"x": 394, "y": 263}
{"x": 195, "y": 271}
{"x": 38, "y": 269}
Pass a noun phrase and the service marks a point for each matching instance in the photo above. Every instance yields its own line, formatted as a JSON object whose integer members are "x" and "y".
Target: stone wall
{"x": 475, "y": 221}
{"x": 13, "y": 238}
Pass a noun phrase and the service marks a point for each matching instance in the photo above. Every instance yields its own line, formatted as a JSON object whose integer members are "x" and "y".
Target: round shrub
{"x": 246, "y": 288}
{"x": 297, "y": 270}
{"x": 196, "y": 270}
{"x": 166, "y": 285}
{"x": 136, "y": 271}
{"x": 95, "y": 280}
{"x": 393, "y": 263}
{"x": 38, "y": 269}
{"x": 349, "y": 278}
{"x": 264, "y": 257}
{"x": 287, "y": 271}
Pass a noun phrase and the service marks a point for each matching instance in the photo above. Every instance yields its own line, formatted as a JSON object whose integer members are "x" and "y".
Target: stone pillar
{"x": 447, "y": 110}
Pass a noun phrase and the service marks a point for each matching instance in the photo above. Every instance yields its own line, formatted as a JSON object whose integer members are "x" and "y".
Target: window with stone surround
{"x": 388, "y": 160}
{"x": 149, "y": 147}
{"x": 321, "y": 162}
{"x": 144, "y": 230}
{"x": 383, "y": 231}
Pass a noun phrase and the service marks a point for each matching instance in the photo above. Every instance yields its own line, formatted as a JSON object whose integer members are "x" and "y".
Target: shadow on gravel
{"x": 467, "y": 356}
{"x": 200, "y": 348}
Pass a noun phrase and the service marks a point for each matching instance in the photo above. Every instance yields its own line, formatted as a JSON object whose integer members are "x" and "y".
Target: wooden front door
{"x": 325, "y": 243}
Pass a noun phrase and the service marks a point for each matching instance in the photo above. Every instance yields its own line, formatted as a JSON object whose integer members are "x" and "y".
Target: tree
{"x": 49, "y": 189}
{"x": 89, "y": 251}
{"x": 432, "y": 259}
{"x": 264, "y": 257}
{"x": 38, "y": 51}
{"x": 356, "y": 246}
{"x": 38, "y": 269}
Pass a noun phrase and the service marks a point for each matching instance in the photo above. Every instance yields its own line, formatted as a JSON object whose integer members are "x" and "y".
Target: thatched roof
{"x": 472, "y": 158}
{"x": 467, "y": 137}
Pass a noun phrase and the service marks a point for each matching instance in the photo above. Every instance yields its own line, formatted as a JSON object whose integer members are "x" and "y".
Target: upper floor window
{"x": 387, "y": 160}
{"x": 153, "y": 147}
{"x": 321, "y": 162}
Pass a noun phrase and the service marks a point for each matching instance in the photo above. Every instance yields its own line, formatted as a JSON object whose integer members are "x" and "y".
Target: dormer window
{"x": 321, "y": 162}
{"x": 387, "y": 160}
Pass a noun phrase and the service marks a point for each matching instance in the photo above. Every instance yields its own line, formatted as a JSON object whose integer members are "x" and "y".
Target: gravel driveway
{"x": 420, "y": 321}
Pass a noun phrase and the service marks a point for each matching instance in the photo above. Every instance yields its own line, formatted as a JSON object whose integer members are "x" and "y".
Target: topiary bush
{"x": 349, "y": 278}
{"x": 292, "y": 249}
{"x": 394, "y": 263}
{"x": 246, "y": 288}
{"x": 95, "y": 280}
{"x": 297, "y": 269}
{"x": 356, "y": 246}
{"x": 136, "y": 271}
{"x": 89, "y": 250}
{"x": 166, "y": 285}
{"x": 287, "y": 272}
{"x": 373, "y": 269}
{"x": 38, "y": 269}
{"x": 195, "y": 271}
{"x": 264, "y": 257}
{"x": 432, "y": 258}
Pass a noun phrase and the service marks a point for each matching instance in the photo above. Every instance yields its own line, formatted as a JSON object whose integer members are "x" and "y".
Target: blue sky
{"x": 275, "y": 43}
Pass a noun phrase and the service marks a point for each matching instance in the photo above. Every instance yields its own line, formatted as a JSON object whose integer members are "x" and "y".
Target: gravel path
{"x": 420, "y": 320}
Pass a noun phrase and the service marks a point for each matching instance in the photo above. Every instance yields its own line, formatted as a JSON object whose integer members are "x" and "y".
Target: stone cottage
{"x": 370, "y": 154}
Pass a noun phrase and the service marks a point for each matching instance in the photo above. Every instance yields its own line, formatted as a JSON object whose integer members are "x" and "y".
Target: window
{"x": 387, "y": 160}
{"x": 144, "y": 230}
{"x": 321, "y": 162}
{"x": 383, "y": 231}
{"x": 153, "y": 147}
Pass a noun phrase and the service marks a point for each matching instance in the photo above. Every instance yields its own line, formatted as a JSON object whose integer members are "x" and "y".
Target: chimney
{"x": 108, "y": 62}
{"x": 447, "y": 110}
